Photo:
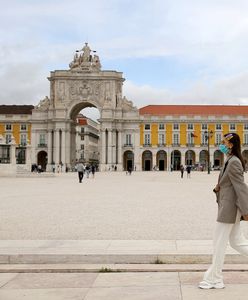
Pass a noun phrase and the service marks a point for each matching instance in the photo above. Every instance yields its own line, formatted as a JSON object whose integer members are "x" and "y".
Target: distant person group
{"x": 187, "y": 169}
{"x": 85, "y": 170}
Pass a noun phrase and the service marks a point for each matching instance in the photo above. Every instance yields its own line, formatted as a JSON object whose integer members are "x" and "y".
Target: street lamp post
{"x": 208, "y": 135}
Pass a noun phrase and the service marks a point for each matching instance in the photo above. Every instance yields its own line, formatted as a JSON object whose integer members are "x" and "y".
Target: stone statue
{"x": 84, "y": 61}
{"x": 43, "y": 104}
{"x": 96, "y": 62}
{"x": 86, "y": 53}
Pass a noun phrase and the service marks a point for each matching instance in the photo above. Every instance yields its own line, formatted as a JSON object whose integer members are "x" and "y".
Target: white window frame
{"x": 23, "y": 127}
{"x": 204, "y": 141}
{"x": 246, "y": 138}
{"x": 216, "y": 126}
{"x": 176, "y": 126}
{"x": 8, "y": 138}
{"x": 161, "y": 138}
{"x": 232, "y": 126}
{"x": 161, "y": 126}
{"x": 246, "y": 126}
{"x": 23, "y": 139}
{"x": 204, "y": 126}
{"x": 218, "y": 138}
{"x": 147, "y": 138}
{"x": 176, "y": 138}
{"x": 190, "y": 138}
{"x": 148, "y": 125}
{"x": 190, "y": 126}
{"x": 128, "y": 139}
{"x": 8, "y": 125}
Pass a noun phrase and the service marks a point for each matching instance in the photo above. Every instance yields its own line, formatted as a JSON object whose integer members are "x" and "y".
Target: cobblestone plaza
{"x": 143, "y": 206}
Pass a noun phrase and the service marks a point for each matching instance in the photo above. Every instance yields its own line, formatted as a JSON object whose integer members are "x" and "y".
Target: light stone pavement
{"x": 143, "y": 206}
{"x": 119, "y": 286}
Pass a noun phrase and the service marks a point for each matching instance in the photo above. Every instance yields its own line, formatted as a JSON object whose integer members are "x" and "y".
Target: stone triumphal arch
{"x": 84, "y": 84}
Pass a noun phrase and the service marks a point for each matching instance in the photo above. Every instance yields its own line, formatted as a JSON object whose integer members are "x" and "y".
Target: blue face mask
{"x": 224, "y": 149}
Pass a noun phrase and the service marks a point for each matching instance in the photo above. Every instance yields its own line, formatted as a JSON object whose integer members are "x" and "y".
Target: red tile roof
{"x": 194, "y": 110}
{"x": 16, "y": 109}
{"x": 82, "y": 121}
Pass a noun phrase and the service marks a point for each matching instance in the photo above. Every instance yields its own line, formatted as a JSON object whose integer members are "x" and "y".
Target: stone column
{"x": 120, "y": 156}
{"x": 56, "y": 146}
{"x": 63, "y": 145}
{"x": 67, "y": 148}
{"x": 49, "y": 150}
{"x": 13, "y": 154}
{"x": 183, "y": 162}
{"x": 110, "y": 148}
{"x": 136, "y": 144}
{"x": 102, "y": 149}
{"x": 28, "y": 157}
{"x": 34, "y": 145}
{"x": 114, "y": 145}
{"x": 169, "y": 150}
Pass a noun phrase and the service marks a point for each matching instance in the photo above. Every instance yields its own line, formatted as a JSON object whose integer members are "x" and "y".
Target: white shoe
{"x": 206, "y": 285}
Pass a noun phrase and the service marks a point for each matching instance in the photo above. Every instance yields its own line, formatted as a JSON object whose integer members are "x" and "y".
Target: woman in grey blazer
{"x": 232, "y": 199}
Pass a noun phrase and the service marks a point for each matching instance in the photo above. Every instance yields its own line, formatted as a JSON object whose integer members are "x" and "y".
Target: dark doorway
{"x": 161, "y": 165}
{"x": 147, "y": 165}
{"x": 129, "y": 164}
{"x": 42, "y": 160}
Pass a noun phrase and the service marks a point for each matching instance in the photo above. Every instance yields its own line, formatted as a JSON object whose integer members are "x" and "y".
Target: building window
{"x": 82, "y": 147}
{"x": 42, "y": 139}
{"x": 147, "y": 126}
{"x": 204, "y": 140}
{"x": 246, "y": 126}
{"x": 161, "y": 126}
{"x": 8, "y": 127}
{"x": 246, "y": 138}
{"x": 82, "y": 130}
{"x": 23, "y": 127}
{"x": 176, "y": 126}
{"x": 147, "y": 139}
{"x": 82, "y": 137}
{"x": 232, "y": 126}
{"x": 8, "y": 138}
{"x": 204, "y": 126}
{"x": 23, "y": 139}
{"x": 128, "y": 139}
{"x": 176, "y": 138}
{"x": 161, "y": 138}
{"x": 190, "y": 126}
{"x": 190, "y": 138}
{"x": 218, "y": 126}
{"x": 218, "y": 138}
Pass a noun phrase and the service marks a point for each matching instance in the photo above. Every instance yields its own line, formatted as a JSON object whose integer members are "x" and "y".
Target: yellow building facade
{"x": 174, "y": 135}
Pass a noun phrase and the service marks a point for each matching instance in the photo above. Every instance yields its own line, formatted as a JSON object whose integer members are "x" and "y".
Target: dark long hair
{"x": 236, "y": 149}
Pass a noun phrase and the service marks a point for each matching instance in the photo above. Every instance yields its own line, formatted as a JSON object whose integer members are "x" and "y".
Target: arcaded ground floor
{"x": 113, "y": 205}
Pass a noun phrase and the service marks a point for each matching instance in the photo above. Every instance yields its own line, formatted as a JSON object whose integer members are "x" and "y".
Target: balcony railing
{"x": 245, "y": 144}
{"x": 161, "y": 145}
{"x": 128, "y": 145}
{"x": 204, "y": 144}
{"x": 147, "y": 145}
{"x": 175, "y": 145}
{"x": 42, "y": 145}
{"x": 190, "y": 145}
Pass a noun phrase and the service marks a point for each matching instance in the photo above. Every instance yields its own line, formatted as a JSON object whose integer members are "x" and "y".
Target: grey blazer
{"x": 233, "y": 192}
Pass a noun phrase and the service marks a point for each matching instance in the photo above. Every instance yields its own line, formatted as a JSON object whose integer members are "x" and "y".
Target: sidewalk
{"x": 115, "y": 270}
{"x": 119, "y": 286}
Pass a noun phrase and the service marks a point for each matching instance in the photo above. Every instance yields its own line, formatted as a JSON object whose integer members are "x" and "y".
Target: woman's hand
{"x": 217, "y": 188}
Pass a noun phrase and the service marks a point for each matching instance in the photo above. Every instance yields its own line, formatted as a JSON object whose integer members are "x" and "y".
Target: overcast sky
{"x": 170, "y": 51}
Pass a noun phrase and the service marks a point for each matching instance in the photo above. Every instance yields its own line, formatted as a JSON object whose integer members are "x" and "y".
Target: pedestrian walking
{"x": 93, "y": 170}
{"x": 232, "y": 198}
{"x": 80, "y": 170}
{"x": 188, "y": 169}
{"x": 182, "y": 170}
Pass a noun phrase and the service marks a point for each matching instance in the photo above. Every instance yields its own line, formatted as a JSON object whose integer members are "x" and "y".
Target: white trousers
{"x": 223, "y": 233}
